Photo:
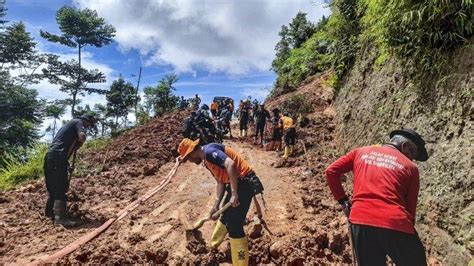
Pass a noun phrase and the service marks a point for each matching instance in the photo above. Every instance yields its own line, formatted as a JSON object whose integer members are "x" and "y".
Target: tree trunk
{"x": 74, "y": 96}
{"x": 78, "y": 80}
{"x": 54, "y": 127}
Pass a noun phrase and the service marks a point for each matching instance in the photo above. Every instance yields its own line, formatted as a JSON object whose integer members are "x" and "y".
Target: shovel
{"x": 191, "y": 233}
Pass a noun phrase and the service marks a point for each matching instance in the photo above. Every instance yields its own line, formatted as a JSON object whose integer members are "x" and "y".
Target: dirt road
{"x": 156, "y": 230}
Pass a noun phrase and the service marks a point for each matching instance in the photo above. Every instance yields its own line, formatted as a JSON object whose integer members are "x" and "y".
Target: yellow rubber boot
{"x": 220, "y": 231}
{"x": 239, "y": 248}
{"x": 286, "y": 152}
{"x": 291, "y": 150}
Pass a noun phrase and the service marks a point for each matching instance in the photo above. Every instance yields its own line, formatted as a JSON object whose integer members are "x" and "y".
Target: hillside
{"x": 376, "y": 99}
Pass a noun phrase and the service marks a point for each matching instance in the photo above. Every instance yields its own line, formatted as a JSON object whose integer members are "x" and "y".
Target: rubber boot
{"x": 291, "y": 150}
{"x": 60, "y": 214}
{"x": 48, "y": 209}
{"x": 245, "y": 133}
{"x": 286, "y": 152}
{"x": 220, "y": 231}
{"x": 239, "y": 249}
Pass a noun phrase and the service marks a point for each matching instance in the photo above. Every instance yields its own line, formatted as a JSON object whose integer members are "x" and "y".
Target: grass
{"x": 23, "y": 165}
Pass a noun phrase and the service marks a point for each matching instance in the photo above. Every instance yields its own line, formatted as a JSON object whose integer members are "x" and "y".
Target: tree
{"x": 20, "y": 116}
{"x": 17, "y": 51}
{"x": 80, "y": 28}
{"x": 66, "y": 74}
{"x": 55, "y": 109}
{"x": 120, "y": 98}
{"x": 161, "y": 97}
{"x": 102, "y": 118}
{"x": 300, "y": 30}
{"x": 3, "y": 12}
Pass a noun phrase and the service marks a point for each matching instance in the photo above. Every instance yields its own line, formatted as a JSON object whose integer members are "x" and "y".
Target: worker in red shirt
{"x": 383, "y": 207}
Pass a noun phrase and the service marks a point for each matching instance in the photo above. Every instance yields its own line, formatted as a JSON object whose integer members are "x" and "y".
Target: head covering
{"x": 285, "y": 113}
{"x": 186, "y": 147}
{"x": 414, "y": 137}
{"x": 89, "y": 118}
{"x": 205, "y": 107}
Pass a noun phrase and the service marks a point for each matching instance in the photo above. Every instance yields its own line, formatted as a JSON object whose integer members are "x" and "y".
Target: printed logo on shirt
{"x": 382, "y": 160}
{"x": 214, "y": 155}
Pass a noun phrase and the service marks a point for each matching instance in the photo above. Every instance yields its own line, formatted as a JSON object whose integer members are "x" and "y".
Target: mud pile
{"x": 106, "y": 181}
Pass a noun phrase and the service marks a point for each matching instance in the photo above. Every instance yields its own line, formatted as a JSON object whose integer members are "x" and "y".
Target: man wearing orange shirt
{"x": 234, "y": 175}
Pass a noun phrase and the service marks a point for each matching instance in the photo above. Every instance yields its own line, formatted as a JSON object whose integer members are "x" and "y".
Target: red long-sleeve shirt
{"x": 386, "y": 185}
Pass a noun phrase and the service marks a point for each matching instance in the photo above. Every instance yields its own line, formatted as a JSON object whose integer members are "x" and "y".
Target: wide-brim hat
{"x": 186, "y": 147}
{"x": 416, "y": 139}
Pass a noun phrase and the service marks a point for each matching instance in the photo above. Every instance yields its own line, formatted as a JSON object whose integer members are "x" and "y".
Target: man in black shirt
{"x": 261, "y": 117}
{"x": 56, "y": 166}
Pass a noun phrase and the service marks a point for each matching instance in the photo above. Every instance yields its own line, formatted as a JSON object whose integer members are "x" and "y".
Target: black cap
{"x": 89, "y": 118}
{"x": 415, "y": 138}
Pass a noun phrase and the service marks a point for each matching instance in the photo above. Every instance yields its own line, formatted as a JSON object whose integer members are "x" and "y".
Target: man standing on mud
{"x": 261, "y": 118}
{"x": 382, "y": 211}
{"x": 289, "y": 131}
{"x": 234, "y": 175}
{"x": 56, "y": 166}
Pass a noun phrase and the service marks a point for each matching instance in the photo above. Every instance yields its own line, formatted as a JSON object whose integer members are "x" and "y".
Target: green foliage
{"x": 120, "y": 99}
{"x": 161, "y": 97}
{"x": 293, "y": 37}
{"x": 66, "y": 75}
{"x": 16, "y": 45}
{"x": 54, "y": 109}
{"x": 297, "y": 105}
{"x": 22, "y": 165}
{"x": 143, "y": 114}
{"x": 20, "y": 116}
{"x": 79, "y": 28}
{"x": 3, "y": 12}
{"x": 420, "y": 33}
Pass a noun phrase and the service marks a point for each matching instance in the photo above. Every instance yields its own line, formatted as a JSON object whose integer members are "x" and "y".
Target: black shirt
{"x": 67, "y": 136}
{"x": 261, "y": 116}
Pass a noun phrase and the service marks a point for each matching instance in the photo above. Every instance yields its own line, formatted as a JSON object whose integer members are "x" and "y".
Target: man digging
{"x": 56, "y": 166}
{"x": 383, "y": 206}
{"x": 234, "y": 175}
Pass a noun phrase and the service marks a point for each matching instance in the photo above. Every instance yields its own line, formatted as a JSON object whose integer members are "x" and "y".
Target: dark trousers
{"x": 259, "y": 129}
{"x": 243, "y": 123}
{"x": 234, "y": 218}
{"x": 373, "y": 244}
{"x": 56, "y": 175}
{"x": 290, "y": 136}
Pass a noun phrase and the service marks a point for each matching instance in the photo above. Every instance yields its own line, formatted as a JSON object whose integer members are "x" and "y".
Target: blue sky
{"x": 218, "y": 47}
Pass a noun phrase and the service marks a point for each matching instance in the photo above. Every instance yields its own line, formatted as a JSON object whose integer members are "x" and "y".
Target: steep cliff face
{"x": 377, "y": 99}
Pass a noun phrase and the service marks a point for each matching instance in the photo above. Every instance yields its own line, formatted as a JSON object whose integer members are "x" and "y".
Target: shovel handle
{"x": 214, "y": 215}
{"x": 221, "y": 210}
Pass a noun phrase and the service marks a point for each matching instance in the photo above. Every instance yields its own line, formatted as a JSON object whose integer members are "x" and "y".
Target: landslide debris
{"x": 115, "y": 177}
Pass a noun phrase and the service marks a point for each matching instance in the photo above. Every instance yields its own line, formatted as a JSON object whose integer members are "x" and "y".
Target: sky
{"x": 217, "y": 47}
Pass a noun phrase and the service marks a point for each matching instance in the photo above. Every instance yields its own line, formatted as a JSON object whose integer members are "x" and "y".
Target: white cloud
{"x": 230, "y": 36}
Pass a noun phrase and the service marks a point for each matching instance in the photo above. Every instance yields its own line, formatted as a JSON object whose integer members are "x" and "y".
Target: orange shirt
{"x": 213, "y": 106}
{"x": 215, "y": 155}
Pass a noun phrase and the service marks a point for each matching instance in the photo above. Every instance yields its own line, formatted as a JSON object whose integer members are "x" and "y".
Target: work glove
{"x": 346, "y": 206}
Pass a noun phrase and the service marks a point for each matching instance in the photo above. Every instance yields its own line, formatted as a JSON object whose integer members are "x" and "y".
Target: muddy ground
{"x": 304, "y": 223}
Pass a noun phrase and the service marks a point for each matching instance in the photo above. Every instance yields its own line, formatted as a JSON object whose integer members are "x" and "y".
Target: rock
{"x": 149, "y": 169}
{"x": 276, "y": 249}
